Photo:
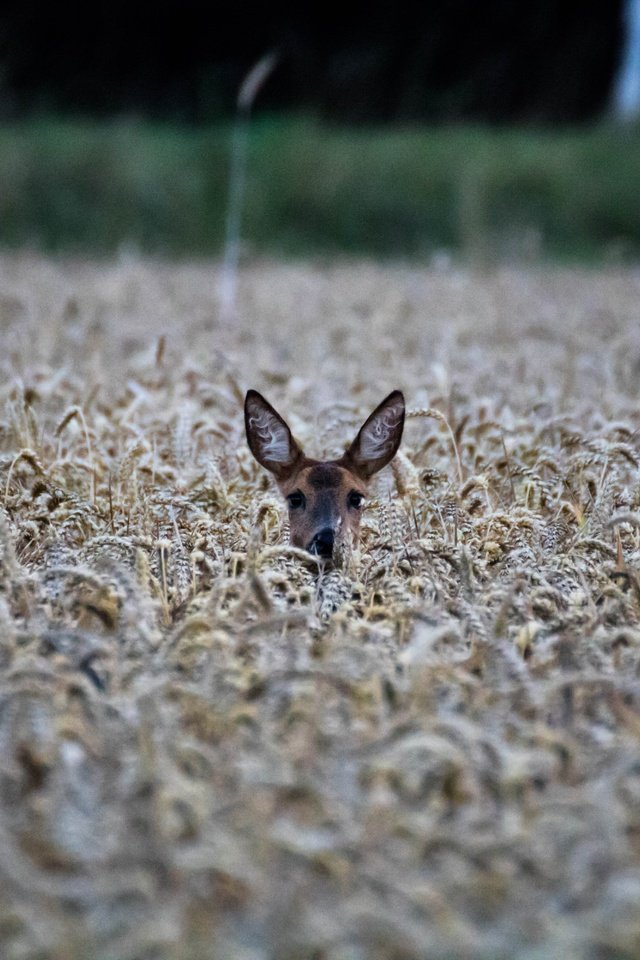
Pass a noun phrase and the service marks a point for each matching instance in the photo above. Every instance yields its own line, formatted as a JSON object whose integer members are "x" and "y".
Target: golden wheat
{"x": 212, "y": 747}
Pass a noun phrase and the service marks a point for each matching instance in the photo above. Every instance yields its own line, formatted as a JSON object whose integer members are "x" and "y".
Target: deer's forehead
{"x": 324, "y": 476}
{"x": 329, "y": 477}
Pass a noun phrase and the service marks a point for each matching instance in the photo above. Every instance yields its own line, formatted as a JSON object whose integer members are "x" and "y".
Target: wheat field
{"x": 211, "y": 747}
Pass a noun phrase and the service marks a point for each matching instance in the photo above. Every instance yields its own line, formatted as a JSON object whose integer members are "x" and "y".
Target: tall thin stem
{"x": 249, "y": 89}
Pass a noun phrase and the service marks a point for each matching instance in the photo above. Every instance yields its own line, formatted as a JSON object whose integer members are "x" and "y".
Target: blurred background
{"x": 479, "y": 129}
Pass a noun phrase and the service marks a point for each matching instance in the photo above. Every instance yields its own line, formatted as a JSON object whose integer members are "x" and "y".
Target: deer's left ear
{"x": 269, "y": 437}
{"x": 379, "y": 437}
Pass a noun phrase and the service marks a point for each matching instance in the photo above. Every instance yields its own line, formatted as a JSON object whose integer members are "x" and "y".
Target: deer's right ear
{"x": 269, "y": 437}
{"x": 379, "y": 437}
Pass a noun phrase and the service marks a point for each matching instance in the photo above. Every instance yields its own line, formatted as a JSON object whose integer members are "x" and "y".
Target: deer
{"x": 325, "y": 498}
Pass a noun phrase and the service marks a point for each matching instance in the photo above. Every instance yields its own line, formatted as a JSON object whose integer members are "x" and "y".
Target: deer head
{"x": 325, "y": 497}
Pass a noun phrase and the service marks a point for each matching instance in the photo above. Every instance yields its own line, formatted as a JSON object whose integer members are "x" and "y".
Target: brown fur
{"x": 322, "y": 495}
{"x": 326, "y": 487}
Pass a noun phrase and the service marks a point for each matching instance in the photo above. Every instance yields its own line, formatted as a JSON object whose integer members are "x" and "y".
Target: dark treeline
{"x": 445, "y": 60}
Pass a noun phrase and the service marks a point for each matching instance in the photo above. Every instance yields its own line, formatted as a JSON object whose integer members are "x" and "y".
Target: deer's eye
{"x": 355, "y": 500}
{"x": 296, "y": 500}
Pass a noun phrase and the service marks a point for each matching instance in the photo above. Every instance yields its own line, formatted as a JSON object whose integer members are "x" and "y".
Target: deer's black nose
{"x": 322, "y": 543}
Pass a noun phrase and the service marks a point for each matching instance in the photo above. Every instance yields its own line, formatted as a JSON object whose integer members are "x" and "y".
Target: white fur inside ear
{"x": 378, "y": 437}
{"x": 272, "y": 436}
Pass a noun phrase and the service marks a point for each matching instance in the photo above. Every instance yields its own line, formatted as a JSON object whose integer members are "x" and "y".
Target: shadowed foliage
{"x": 510, "y": 195}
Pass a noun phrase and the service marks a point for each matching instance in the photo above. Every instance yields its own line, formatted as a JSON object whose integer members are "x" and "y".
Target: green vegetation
{"x": 512, "y": 193}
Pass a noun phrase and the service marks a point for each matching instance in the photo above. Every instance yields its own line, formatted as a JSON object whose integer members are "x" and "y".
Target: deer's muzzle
{"x": 322, "y": 543}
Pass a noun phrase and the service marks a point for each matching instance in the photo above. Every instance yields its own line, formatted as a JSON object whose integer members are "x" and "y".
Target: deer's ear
{"x": 379, "y": 437}
{"x": 269, "y": 437}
